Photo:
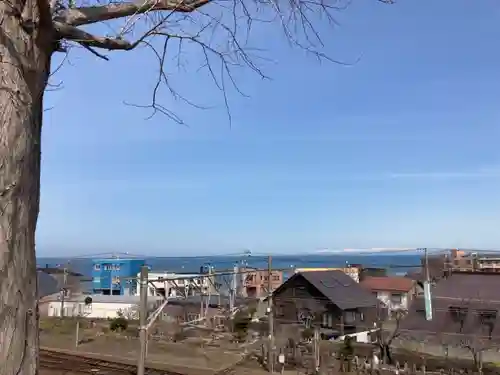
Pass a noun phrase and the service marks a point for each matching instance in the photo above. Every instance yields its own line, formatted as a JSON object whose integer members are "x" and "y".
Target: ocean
{"x": 396, "y": 264}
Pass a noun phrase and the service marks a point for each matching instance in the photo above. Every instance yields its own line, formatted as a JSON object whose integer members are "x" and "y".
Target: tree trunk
{"x": 25, "y": 51}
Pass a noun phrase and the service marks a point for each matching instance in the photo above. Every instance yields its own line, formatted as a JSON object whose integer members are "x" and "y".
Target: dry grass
{"x": 99, "y": 340}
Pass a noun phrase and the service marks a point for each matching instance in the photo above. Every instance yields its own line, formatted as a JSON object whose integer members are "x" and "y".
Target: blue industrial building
{"x": 111, "y": 276}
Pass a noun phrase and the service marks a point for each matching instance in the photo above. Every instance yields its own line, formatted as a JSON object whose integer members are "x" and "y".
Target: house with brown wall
{"x": 465, "y": 309}
{"x": 330, "y": 300}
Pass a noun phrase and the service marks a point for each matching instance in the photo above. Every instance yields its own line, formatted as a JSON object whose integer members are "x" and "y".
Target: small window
{"x": 276, "y": 278}
{"x": 97, "y": 266}
{"x": 396, "y": 298}
{"x": 117, "y": 267}
{"x": 487, "y": 316}
{"x": 488, "y": 319}
{"x": 459, "y": 315}
{"x": 191, "y": 317}
{"x": 349, "y": 317}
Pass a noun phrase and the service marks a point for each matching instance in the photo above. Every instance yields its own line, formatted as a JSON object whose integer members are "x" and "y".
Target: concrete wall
{"x": 98, "y": 310}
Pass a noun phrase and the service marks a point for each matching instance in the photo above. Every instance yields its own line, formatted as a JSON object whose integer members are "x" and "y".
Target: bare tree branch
{"x": 216, "y": 31}
{"x": 93, "y": 14}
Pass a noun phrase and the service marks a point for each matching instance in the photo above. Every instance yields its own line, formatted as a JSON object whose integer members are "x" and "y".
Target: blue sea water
{"x": 398, "y": 264}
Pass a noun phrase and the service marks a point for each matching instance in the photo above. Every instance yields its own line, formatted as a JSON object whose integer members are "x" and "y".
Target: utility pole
{"x": 63, "y": 290}
{"x": 270, "y": 349}
{"x": 232, "y": 291}
{"x": 426, "y": 264}
{"x": 143, "y": 316}
{"x": 77, "y": 334}
{"x": 427, "y": 287}
{"x": 202, "y": 301}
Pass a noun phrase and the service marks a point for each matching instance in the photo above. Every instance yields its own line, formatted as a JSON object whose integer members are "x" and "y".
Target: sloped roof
{"x": 469, "y": 286}
{"x": 472, "y": 292}
{"x": 388, "y": 283}
{"x": 339, "y": 288}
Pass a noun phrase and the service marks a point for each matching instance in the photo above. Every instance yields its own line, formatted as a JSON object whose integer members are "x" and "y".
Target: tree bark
{"x": 26, "y": 43}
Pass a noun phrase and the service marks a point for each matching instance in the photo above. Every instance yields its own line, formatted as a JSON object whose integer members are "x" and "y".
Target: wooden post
{"x": 316, "y": 349}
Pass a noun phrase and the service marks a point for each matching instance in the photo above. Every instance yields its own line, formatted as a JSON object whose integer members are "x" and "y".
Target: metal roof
{"x": 388, "y": 283}
{"x": 339, "y": 288}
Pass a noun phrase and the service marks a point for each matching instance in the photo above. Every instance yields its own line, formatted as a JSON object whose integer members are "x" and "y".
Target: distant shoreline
{"x": 321, "y": 254}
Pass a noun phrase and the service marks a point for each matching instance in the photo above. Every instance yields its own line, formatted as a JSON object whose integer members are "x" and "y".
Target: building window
{"x": 349, "y": 317}
{"x": 191, "y": 317}
{"x": 97, "y": 267}
{"x": 107, "y": 267}
{"x": 327, "y": 320}
{"x": 488, "y": 318}
{"x": 396, "y": 298}
{"x": 459, "y": 315}
{"x": 276, "y": 277}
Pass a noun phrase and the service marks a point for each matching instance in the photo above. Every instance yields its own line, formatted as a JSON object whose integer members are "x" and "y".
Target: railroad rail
{"x": 63, "y": 362}
{"x": 89, "y": 363}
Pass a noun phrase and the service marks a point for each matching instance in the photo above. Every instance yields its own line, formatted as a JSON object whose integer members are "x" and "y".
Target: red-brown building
{"x": 255, "y": 282}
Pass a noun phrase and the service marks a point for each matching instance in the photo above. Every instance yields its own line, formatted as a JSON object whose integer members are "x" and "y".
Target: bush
{"x": 241, "y": 323}
{"x": 118, "y": 324}
{"x": 308, "y": 334}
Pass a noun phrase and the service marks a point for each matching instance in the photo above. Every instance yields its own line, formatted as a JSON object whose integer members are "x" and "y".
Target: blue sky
{"x": 398, "y": 149}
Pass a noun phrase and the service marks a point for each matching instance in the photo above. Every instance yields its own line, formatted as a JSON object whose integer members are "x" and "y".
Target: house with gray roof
{"x": 329, "y": 300}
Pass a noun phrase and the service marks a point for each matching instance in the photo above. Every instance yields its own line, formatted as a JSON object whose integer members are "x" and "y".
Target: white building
{"x": 98, "y": 306}
{"x": 172, "y": 284}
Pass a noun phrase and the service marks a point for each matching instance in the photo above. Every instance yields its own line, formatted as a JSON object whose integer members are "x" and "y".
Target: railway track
{"x": 71, "y": 363}
{"x": 74, "y": 364}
